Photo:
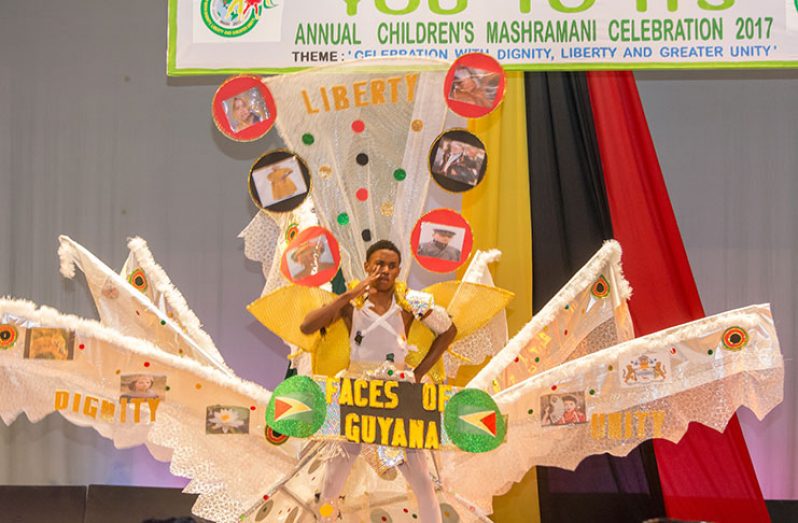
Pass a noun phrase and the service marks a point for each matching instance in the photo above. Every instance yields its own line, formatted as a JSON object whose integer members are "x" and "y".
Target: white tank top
{"x": 373, "y": 337}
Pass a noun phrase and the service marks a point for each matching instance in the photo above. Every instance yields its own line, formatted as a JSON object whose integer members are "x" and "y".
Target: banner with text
{"x": 273, "y": 36}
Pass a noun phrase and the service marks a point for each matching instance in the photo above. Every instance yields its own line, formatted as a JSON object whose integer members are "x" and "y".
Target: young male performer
{"x": 378, "y": 318}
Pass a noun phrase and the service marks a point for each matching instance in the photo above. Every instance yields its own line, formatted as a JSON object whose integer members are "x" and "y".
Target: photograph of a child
{"x": 475, "y": 86}
{"x": 142, "y": 386}
{"x": 444, "y": 242}
{"x": 279, "y": 181}
{"x": 458, "y": 161}
{"x": 245, "y": 109}
{"x": 49, "y": 344}
{"x": 225, "y": 419}
{"x": 310, "y": 258}
{"x": 562, "y": 409}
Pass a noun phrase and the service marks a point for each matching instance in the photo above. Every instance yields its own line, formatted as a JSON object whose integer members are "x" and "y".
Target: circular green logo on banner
{"x": 297, "y": 407}
{"x": 474, "y": 422}
{"x": 230, "y": 18}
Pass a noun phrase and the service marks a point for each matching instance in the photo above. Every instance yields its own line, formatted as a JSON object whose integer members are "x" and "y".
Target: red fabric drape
{"x": 708, "y": 475}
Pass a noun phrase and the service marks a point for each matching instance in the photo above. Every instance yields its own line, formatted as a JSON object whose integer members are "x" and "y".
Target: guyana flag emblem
{"x": 484, "y": 420}
{"x": 474, "y": 422}
{"x": 297, "y": 407}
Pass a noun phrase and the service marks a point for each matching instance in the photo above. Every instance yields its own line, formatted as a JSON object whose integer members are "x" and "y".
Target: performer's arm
{"x": 436, "y": 350}
{"x": 339, "y": 308}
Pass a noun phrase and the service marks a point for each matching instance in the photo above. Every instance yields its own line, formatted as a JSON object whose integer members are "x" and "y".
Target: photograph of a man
{"x": 443, "y": 242}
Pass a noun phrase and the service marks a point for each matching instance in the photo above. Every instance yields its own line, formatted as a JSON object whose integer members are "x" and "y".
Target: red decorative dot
{"x": 81, "y": 346}
{"x": 517, "y": 359}
{"x": 384, "y": 518}
{"x": 265, "y": 497}
{"x": 673, "y": 350}
{"x": 362, "y": 194}
{"x": 358, "y": 126}
{"x": 146, "y": 363}
{"x": 252, "y": 407}
{"x": 554, "y": 387}
{"x": 138, "y": 313}
{"x": 565, "y": 332}
{"x": 405, "y": 510}
{"x": 402, "y": 375}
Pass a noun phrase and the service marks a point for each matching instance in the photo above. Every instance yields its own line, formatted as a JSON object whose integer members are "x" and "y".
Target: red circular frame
{"x": 321, "y": 277}
{"x": 478, "y": 61}
{"x": 442, "y": 217}
{"x": 232, "y": 87}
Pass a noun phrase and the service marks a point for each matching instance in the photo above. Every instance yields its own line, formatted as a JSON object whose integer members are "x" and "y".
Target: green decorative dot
{"x": 163, "y": 322}
{"x": 592, "y": 391}
{"x": 710, "y": 352}
{"x": 530, "y": 411}
{"x": 343, "y": 219}
{"x": 399, "y": 175}
{"x": 390, "y": 372}
{"x": 537, "y": 359}
{"x": 168, "y": 388}
{"x": 567, "y": 307}
{"x": 308, "y": 139}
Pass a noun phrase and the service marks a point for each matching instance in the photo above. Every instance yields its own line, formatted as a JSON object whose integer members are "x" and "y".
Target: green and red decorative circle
{"x": 474, "y": 422}
{"x": 297, "y": 408}
{"x": 138, "y": 279}
{"x": 601, "y": 288}
{"x": 274, "y": 437}
{"x": 735, "y": 338}
{"x": 8, "y": 336}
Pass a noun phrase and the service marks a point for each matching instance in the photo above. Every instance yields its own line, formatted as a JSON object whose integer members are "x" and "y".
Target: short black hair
{"x": 383, "y": 245}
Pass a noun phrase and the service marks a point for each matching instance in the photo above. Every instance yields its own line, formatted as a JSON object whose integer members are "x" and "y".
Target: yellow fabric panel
{"x": 499, "y": 214}
{"x": 284, "y": 310}
{"x": 331, "y": 354}
{"x": 471, "y": 305}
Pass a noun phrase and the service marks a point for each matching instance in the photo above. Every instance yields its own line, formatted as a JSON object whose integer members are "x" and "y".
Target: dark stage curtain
{"x": 708, "y": 475}
{"x": 570, "y": 220}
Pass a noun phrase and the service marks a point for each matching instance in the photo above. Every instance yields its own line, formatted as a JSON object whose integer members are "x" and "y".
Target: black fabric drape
{"x": 570, "y": 220}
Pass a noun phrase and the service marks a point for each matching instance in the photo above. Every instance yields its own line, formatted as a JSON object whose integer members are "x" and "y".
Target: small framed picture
{"x": 457, "y": 160}
{"x": 474, "y": 85}
{"x": 142, "y": 386}
{"x": 441, "y": 240}
{"x": 225, "y": 419}
{"x": 567, "y": 408}
{"x": 49, "y": 344}
{"x": 312, "y": 258}
{"x": 243, "y": 108}
{"x": 279, "y": 181}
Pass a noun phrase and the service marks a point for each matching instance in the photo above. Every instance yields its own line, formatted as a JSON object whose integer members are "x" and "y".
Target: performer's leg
{"x": 337, "y": 471}
{"x": 416, "y": 472}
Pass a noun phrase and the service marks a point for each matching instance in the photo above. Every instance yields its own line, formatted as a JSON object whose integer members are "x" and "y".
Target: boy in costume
{"x": 378, "y": 319}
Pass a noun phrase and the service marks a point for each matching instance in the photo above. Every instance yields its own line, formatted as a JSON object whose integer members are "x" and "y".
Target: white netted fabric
{"x": 588, "y": 314}
{"x": 265, "y": 240}
{"x": 706, "y": 383}
{"x": 378, "y": 142}
{"x": 228, "y": 470}
{"x": 131, "y": 311}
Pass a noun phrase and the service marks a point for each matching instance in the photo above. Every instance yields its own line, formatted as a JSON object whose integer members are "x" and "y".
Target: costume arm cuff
{"x": 438, "y": 320}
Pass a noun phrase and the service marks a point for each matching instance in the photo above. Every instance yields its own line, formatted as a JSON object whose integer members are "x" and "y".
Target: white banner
{"x": 272, "y": 36}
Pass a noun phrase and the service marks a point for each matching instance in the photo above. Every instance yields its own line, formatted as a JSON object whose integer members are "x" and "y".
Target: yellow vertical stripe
{"x": 499, "y": 214}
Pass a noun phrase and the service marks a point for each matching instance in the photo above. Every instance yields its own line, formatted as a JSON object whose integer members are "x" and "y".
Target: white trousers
{"x": 414, "y": 469}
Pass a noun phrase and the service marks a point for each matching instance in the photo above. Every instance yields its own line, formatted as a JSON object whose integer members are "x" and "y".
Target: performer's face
{"x": 386, "y": 264}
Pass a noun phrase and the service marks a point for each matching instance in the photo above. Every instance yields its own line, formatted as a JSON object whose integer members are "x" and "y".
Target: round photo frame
{"x": 474, "y": 85}
{"x": 243, "y": 108}
{"x": 312, "y": 258}
{"x": 441, "y": 241}
{"x": 279, "y": 181}
{"x": 457, "y": 160}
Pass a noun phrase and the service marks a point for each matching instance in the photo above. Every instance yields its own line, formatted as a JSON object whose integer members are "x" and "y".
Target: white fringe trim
{"x": 67, "y": 257}
{"x": 609, "y": 254}
{"x": 50, "y": 317}
{"x": 164, "y": 285}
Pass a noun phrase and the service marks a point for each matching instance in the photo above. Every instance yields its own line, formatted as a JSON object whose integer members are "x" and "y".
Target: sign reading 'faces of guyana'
{"x": 388, "y": 413}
